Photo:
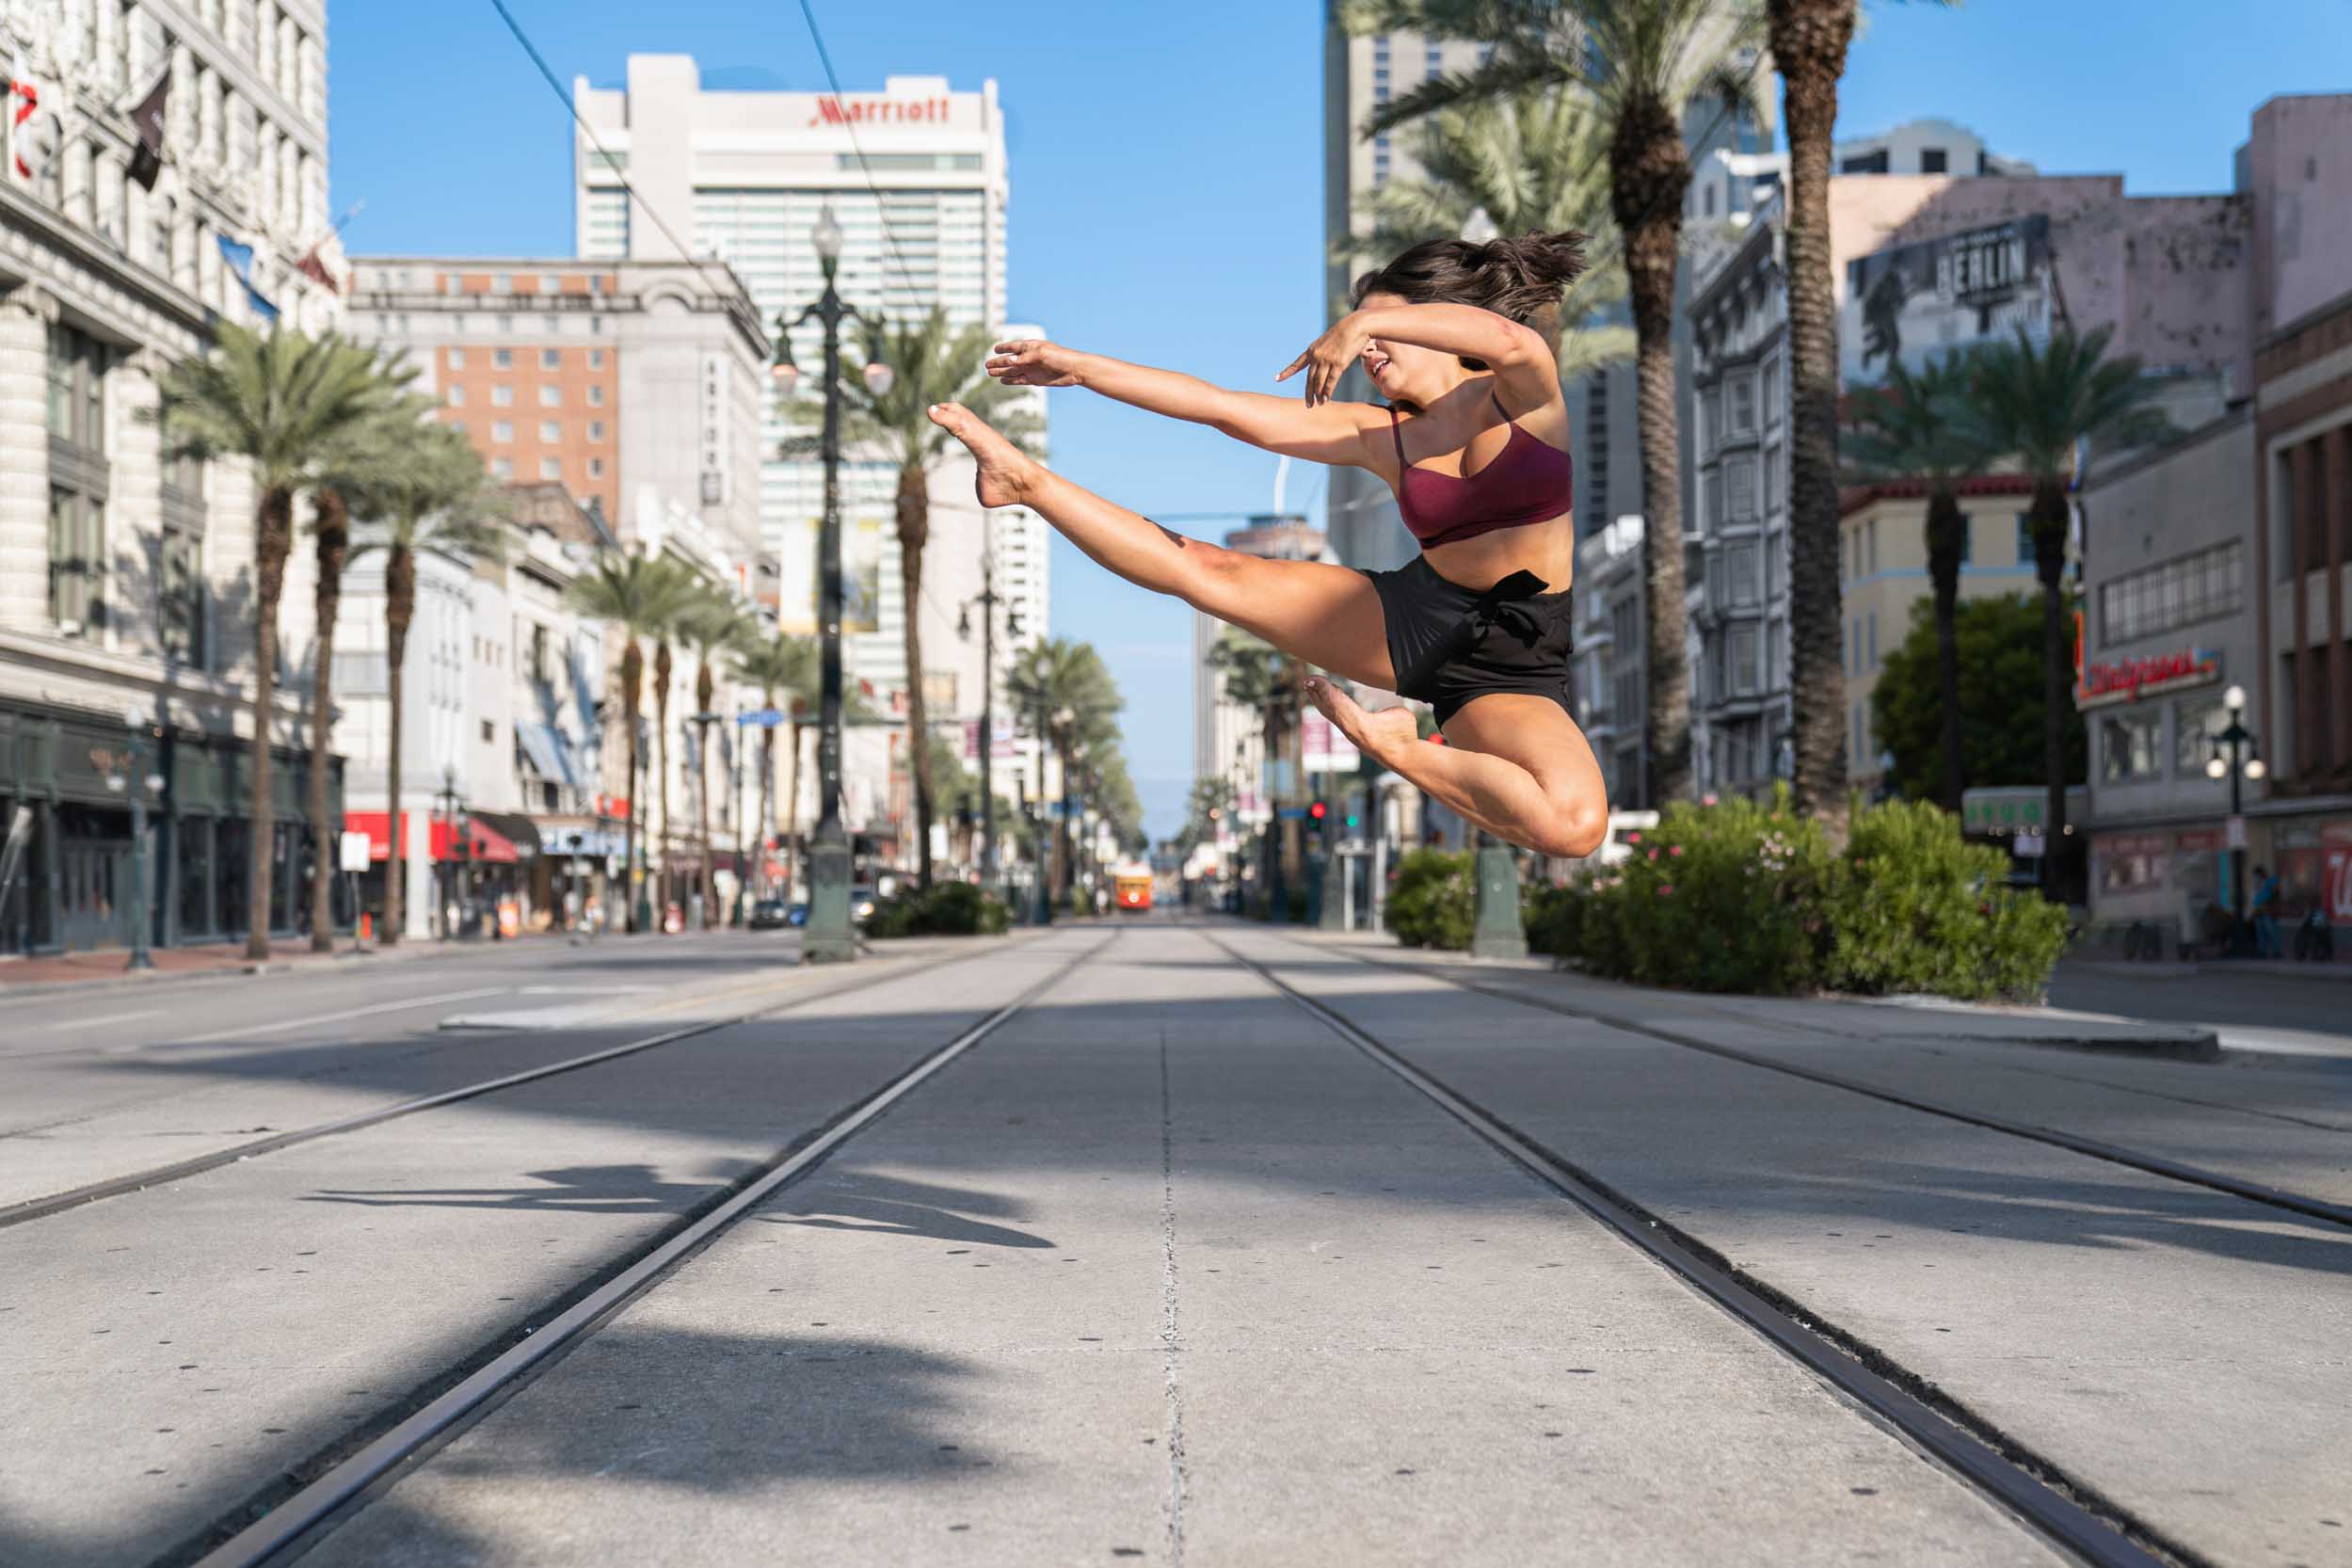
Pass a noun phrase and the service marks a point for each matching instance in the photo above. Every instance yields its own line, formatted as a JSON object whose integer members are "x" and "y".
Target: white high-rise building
{"x": 916, "y": 176}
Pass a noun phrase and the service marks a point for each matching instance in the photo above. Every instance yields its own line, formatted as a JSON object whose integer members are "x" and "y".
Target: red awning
{"x": 488, "y": 846}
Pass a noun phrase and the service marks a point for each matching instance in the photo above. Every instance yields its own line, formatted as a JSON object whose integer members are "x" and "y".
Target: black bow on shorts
{"x": 1500, "y": 605}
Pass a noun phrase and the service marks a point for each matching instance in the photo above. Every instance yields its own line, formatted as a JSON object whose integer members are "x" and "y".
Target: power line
{"x": 824, "y": 57}
{"x": 684, "y": 250}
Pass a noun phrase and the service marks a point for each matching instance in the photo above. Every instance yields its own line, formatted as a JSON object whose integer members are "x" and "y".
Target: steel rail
{"x": 30, "y": 1209}
{"x": 1986, "y": 1461}
{"x": 297, "y": 1522}
{"x": 2115, "y": 1154}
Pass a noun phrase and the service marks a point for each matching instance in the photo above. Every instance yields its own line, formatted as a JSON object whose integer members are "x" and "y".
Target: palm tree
{"x": 777, "y": 663}
{"x": 638, "y": 596}
{"x": 1640, "y": 64}
{"x": 682, "y": 590}
{"x": 436, "y": 501}
{"x": 1897, "y": 430}
{"x": 715, "y": 625}
{"x": 1532, "y": 165}
{"x": 279, "y": 402}
{"x": 931, "y": 362}
{"x": 2038, "y": 406}
{"x": 1262, "y": 678}
{"x": 1067, "y": 686}
{"x": 360, "y": 454}
{"x": 1808, "y": 40}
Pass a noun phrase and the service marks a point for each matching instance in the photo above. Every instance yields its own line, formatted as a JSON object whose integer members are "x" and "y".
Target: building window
{"x": 538, "y": 654}
{"x": 2196, "y": 723}
{"x": 1873, "y": 624}
{"x": 551, "y": 358}
{"x": 596, "y": 467}
{"x": 1771, "y": 394}
{"x": 1741, "y": 571}
{"x": 501, "y": 282}
{"x": 1710, "y": 417}
{"x": 502, "y": 396}
{"x": 501, "y": 469}
{"x": 457, "y": 359}
{"x": 551, "y": 431}
{"x": 550, "y": 397}
{"x": 595, "y": 397}
{"x": 503, "y": 431}
{"x": 1870, "y": 538}
{"x": 1743, "y": 404}
{"x": 455, "y": 397}
{"x": 2024, "y": 540}
{"x": 1740, "y": 485}
{"x": 551, "y": 468}
{"x": 2176, "y": 593}
{"x": 77, "y": 562}
{"x": 1968, "y": 540}
{"x": 77, "y": 387}
{"x": 501, "y": 359}
{"x": 506, "y": 327}
{"x": 2127, "y": 746}
{"x": 596, "y": 359}
{"x": 596, "y": 429}
{"x": 554, "y": 328}
{"x": 1934, "y": 160}
{"x": 1744, "y": 672}
{"x": 490, "y": 731}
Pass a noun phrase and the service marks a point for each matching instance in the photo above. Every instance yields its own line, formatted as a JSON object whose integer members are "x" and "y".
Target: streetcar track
{"x": 30, "y": 1210}
{"x": 2066, "y": 1511}
{"x": 312, "y": 1496}
{"x": 2115, "y": 1154}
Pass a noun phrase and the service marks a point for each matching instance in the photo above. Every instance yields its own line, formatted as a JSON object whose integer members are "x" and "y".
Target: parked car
{"x": 861, "y": 904}
{"x": 770, "y": 914}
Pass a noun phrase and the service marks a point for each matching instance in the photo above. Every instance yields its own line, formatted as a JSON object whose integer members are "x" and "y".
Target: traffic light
{"x": 1351, "y": 820}
{"x": 1319, "y": 811}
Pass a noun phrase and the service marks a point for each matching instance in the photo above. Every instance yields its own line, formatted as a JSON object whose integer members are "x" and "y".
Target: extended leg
{"x": 1515, "y": 764}
{"x": 1328, "y": 616}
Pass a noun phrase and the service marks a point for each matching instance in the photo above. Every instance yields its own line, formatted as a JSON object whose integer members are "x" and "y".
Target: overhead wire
{"x": 824, "y": 57}
{"x": 685, "y": 251}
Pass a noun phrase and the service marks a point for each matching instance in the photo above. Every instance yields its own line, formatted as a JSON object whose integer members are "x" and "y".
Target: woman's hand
{"x": 1033, "y": 362}
{"x": 1327, "y": 358}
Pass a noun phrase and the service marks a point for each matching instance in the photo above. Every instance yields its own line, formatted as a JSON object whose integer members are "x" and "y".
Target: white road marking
{"x": 407, "y": 1005}
{"x": 98, "y": 1023}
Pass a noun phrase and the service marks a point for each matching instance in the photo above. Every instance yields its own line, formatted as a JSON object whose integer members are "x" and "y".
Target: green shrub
{"x": 1554, "y": 917}
{"x": 1434, "y": 902}
{"x": 1915, "y": 907}
{"x": 945, "y": 909}
{"x": 1749, "y": 897}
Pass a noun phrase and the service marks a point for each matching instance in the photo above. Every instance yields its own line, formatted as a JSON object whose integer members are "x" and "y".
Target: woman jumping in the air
{"x": 1458, "y": 337}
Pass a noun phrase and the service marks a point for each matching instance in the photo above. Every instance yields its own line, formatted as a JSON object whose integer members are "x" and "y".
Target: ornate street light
{"x": 2235, "y": 767}
{"x": 828, "y": 937}
{"x": 129, "y": 776}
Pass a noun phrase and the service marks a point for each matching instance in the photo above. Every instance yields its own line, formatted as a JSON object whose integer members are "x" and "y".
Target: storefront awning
{"x": 549, "y": 753}
{"x": 487, "y": 845}
{"x": 520, "y": 833}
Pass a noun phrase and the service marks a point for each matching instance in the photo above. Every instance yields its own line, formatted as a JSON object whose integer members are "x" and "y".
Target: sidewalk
{"x": 2167, "y": 970}
{"x": 1872, "y": 1018}
{"x": 68, "y": 970}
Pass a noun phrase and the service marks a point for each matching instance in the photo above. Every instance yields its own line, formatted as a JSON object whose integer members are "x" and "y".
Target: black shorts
{"x": 1450, "y": 644}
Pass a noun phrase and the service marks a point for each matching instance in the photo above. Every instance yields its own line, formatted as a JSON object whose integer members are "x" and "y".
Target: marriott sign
{"x": 887, "y": 111}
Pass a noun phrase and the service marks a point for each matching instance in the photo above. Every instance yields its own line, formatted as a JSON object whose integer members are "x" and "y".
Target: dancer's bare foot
{"x": 1377, "y": 735}
{"x": 1006, "y": 472}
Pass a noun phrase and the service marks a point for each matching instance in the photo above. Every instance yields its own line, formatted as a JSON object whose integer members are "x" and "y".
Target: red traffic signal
{"x": 1317, "y": 811}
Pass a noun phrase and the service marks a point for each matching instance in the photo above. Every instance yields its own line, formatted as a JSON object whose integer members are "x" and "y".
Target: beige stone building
{"x": 125, "y": 588}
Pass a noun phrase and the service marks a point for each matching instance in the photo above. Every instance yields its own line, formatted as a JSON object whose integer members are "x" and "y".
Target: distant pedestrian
{"x": 2266, "y": 943}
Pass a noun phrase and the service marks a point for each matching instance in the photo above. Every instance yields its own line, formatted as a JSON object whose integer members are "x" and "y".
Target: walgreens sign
{"x": 2131, "y": 678}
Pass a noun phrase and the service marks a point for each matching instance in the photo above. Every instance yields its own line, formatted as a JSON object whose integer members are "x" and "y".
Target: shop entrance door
{"x": 93, "y": 893}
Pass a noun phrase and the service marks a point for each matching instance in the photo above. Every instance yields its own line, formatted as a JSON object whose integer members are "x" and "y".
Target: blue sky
{"x": 1167, "y": 182}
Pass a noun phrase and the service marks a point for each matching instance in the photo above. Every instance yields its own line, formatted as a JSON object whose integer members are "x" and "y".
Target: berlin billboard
{"x": 1918, "y": 302}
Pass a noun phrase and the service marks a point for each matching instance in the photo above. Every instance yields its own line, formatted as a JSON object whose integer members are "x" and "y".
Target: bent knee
{"x": 1575, "y": 826}
{"x": 1213, "y": 580}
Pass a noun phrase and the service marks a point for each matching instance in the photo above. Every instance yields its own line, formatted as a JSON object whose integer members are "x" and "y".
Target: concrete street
{"x": 1161, "y": 1270}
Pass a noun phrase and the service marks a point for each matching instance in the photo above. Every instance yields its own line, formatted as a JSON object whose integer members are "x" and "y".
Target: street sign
{"x": 766, "y": 718}
{"x": 354, "y": 856}
{"x": 2237, "y": 833}
{"x": 2029, "y": 842}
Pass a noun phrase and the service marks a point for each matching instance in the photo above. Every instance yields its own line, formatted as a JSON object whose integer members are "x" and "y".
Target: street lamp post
{"x": 130, "y": 777}
{"x": 828, "y": 937}
{"x": 2238, "y": 765}
{"x": 987, "y": 598}
{"x": 447, "y": 801}
{"x": 703, "y": 901}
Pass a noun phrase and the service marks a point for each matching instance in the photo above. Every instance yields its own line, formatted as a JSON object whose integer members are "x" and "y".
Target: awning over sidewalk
{"x": 549, "y": 754}
{"x": 519, "y": 831}
{"x": 488, "y": 846}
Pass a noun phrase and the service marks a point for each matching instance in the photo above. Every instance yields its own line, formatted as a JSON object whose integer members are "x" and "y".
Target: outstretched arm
{"x": 1325, "y": 433}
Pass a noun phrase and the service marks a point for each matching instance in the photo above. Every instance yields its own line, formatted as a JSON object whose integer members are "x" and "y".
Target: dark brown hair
{"x": 1522, "y": 278}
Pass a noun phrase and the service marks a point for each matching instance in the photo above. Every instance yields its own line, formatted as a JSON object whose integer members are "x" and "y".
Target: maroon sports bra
{"x": 1529, "y": 481}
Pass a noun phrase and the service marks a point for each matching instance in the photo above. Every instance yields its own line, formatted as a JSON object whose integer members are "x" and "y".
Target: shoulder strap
{"x": 1499, "y": 404}
{"x": 1397, "y": 434}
